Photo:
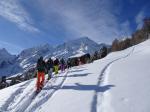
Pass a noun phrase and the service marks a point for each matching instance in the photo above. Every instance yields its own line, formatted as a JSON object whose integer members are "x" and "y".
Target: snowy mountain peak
{"x": 84, "y": 40}
{"x": 28, "y": 57}
{"x": 4, "y": 52}
{"x": 36, "y": 50}
{"x": 6, "y": 60}
{"x": 73, "y": 47}
{"x": 5, "y": 55}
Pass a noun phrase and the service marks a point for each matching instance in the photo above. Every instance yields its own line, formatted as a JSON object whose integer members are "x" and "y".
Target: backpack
{"x": 41, "y": 66}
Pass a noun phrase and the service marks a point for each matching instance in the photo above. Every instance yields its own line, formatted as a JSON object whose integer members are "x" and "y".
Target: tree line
{"x": 136, "y": 38}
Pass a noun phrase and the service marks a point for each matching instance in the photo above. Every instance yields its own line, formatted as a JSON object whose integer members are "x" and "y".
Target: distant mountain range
{"x": 11, "y": 64}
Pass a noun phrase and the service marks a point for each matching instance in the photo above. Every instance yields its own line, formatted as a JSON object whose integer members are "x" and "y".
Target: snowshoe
{"x": 38, "y": 90}
{"x": 48, "y": 78}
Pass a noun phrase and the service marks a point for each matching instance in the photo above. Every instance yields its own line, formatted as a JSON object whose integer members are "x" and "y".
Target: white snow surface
{"x": 117, "y": 83}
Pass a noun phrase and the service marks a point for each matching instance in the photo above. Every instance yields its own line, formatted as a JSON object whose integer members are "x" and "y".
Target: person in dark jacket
{"x": 56, "y": 65}
{"x": 68, "y": 63}
{"x": 50, "y": 66}
{"x": 41, "y": 66}
{"x": 62, "y": 64}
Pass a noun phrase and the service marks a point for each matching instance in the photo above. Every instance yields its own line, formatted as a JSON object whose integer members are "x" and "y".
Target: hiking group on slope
{"x": 48, "y": 67}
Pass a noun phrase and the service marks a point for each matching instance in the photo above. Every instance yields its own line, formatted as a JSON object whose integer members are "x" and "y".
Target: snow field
{"x": 117, "y": 83}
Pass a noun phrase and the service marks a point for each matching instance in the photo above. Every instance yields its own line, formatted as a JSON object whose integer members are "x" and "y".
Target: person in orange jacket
{"x": 41, "y": 66}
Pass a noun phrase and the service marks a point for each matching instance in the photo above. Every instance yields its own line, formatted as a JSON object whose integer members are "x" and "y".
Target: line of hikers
{"x": 48, "y": 67}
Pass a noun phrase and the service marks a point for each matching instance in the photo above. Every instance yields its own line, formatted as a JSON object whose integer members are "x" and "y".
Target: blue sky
{"x": 28, "y": 23}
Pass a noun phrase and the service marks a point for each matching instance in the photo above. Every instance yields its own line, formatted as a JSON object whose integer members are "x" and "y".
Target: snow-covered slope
{"x": 116, "y": 83}
{"x": 131, "y": 78}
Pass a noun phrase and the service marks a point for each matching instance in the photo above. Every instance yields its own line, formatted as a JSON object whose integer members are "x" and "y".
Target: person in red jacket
{"x": 41, "y": 66}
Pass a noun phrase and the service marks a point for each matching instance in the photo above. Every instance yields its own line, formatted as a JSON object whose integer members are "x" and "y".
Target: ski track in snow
{"x": 19, "y": 103}
{"x": 14, "y": 95}
{"x": 46, "y": 95}
{"x": 94, "y": 107}
{"x": 25, "y": 103}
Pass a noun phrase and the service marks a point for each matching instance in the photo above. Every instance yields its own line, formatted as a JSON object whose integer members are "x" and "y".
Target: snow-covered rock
{"x": 28, "y": 57}
{"x": 83, "y": 44}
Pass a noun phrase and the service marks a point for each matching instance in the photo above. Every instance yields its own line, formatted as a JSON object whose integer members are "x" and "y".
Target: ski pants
{"x": 50, "y": 72}
{"x": 56, "y": 69}
{"x": 40, "y": 79}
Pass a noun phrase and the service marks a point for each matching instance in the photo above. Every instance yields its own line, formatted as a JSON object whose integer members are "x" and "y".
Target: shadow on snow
{"x": 80, "y": 70}
{"x": 77, "y": 75}
{"x": 82, "y": 87}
